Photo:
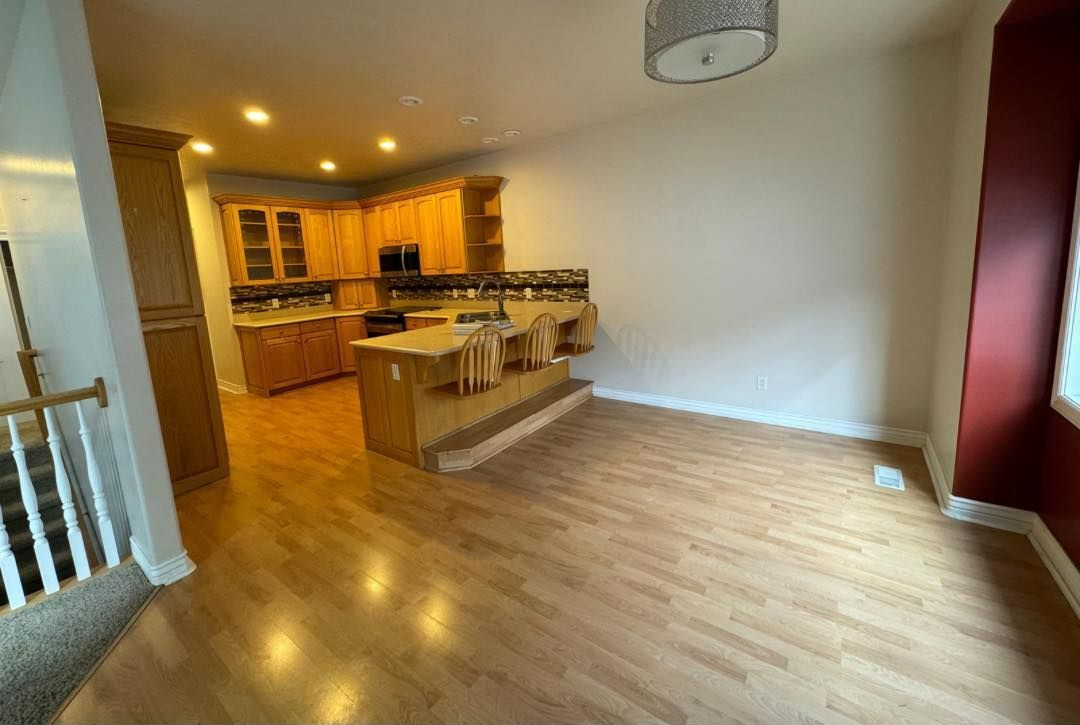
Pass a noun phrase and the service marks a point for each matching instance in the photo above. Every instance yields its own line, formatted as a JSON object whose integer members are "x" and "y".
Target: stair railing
{"x": 45, "y": 405}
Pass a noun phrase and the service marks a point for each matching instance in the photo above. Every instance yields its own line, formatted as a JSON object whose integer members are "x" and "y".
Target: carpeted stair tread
{"x": 39, "y": 473}
{"x": 48, "y": 504}
{"x": 55, "y": 528}
{"x": 35, "y": 456}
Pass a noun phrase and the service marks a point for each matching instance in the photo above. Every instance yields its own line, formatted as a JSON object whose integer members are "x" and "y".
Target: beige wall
{"x": 210, "y": 249}
{"x": 791, "y": 228}
{"x": 973, "y": 87}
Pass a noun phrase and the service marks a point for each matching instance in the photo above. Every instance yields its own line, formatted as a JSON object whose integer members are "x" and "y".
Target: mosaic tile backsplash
{"x": 556, "y": 285}
{"x": 289, "y": 296}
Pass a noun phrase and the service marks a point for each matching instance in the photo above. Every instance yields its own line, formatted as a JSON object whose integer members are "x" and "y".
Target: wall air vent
{"x": 888, "y": 478}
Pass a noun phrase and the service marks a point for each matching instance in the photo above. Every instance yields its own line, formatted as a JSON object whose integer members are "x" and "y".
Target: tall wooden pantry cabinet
{"x": 146, "y": 165}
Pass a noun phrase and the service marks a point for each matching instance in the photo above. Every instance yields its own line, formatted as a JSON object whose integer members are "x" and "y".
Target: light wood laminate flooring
{"x": 623, "y": 564}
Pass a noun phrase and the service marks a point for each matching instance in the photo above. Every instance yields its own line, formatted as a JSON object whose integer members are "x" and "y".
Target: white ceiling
{"x": 329, "y": 72}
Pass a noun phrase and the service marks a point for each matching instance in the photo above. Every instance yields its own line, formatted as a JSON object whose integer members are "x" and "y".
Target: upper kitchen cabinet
{"x": 457, "y": 223}
{"x": 322, "y": 251}
{"x": 291, "y": 245}
{"x": 373, "y": 236}
{"x": 352, "y": 256}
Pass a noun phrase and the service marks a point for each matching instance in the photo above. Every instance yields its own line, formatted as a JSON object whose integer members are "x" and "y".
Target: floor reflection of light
{"x": 335, "y": 706}
{"x": 281, "y": 650}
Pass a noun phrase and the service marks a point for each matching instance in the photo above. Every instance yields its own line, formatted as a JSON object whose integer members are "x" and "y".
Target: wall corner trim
{"x": 234, "y": 388}
{"x": 1057, "y": 561}
{"x": 970, "y": 510}
{"x": 884, "y": 434}
{"x": 167, "y": 572}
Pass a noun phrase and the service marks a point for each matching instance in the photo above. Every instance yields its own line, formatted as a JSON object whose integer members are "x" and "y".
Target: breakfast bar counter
{"x": 400, "y": 377}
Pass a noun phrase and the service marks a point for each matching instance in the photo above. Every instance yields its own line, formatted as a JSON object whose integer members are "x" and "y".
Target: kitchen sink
{"x": 487, "y": 317}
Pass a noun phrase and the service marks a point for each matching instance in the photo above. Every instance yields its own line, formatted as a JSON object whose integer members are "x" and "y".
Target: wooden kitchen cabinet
{"x": 415, "y": 323}
{"x": 283, "y": 360}
{"x": 352, "y": 256}
{"x": 318, "y": 225}
{"x": 265, "y": 244}
{"x": 388, "y": 220}
{"x": 373, "y": 237}
{"x": 406, "y": 214}
{"x": 429, "y": 235}
{"x": 321, "y": 355}
{"x": 359, "y": 294}
{"x": 451, "y": 231}
{"x": 161, "y": 253}
{"x": 349, "y": 329}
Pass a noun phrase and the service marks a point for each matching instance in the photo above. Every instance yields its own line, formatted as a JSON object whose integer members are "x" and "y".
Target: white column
{"x": 42, "y": 551}
{"x": 101, "y": 504}
{"x": 63, "y": 487}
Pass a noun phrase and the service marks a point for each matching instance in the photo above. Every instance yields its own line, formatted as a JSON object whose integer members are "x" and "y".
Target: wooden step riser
{"x": 460, "y": 460}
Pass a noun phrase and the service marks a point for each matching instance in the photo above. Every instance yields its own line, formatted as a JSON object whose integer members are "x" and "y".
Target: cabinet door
{"x": 284, "y": 362}
{"x": 429, "y": 235}
{"x": 185, "y": 390}
{"x": 346, "y": 294}
{"x": 406, "y": 215}
{"x": 254, "y": 236}
{"x": 349, "y": 329}
{"x": 288, "y": 230}
{"x": 321, "y": 355}
{"x": 388, "y": 217}
{"x": 157, "y": 230}
{"x": 368, "y": 296}
{"x": 373, "y": 238}
{"x": 452, "y": 228}
{"x": 351, "y": 252}
{"x": 321, "y": 247}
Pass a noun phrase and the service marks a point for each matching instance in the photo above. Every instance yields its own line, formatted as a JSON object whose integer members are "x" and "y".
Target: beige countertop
{"x": 440, "y": 339}
{"x": 257, "y": 320}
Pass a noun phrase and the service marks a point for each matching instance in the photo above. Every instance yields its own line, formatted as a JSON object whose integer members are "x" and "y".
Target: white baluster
{"x": 63, "y": 487}
{"x": 9, "y": 569}
{"x": 42, "y": 551}
{"x": 101, "y": 505}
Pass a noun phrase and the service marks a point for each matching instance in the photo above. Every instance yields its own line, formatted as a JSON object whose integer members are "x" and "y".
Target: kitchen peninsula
{"x": 405, "y": 412}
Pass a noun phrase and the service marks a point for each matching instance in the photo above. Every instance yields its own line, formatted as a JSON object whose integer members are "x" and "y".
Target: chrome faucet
{"x": 498, "y": 285}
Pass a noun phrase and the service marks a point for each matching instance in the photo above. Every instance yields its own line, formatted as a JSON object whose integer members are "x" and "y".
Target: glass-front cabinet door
{"x": 290, "y": 235}
{"x": 256, "y": 245}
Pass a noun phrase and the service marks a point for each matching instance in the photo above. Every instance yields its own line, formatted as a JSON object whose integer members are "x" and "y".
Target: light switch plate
{"x": 528, "y": 293}
{"x": 471, "y": 293}
{"x": 327, "y": 297}
{"x": 456, "y": 292}
{"x": 274, "y": 303}
{"x": 395, "y": 371}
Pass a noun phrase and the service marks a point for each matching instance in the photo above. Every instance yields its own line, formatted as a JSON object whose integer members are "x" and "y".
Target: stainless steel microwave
{"x": 400, "y": 260}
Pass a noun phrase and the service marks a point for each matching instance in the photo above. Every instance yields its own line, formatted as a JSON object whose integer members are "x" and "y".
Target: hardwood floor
{"x": 624, "y": 564}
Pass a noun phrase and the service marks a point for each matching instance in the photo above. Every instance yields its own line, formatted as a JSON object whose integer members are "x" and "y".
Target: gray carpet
{"x": 46, "y": 649}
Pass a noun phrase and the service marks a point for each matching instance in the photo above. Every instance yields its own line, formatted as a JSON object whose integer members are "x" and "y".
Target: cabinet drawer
{"x": 278, "y": 331}
{"x": 306, "y": 328}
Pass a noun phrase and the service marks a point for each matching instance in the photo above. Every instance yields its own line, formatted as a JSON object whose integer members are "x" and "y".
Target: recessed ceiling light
{"x": 410, "y": 101}
{"x": 327, "y": 165}
{"x": 387, "y": 144}
{"x": 257, "y": 115}
{"x": 201, "y": 147}
{"x": 490, "y": 139}
{"x": 468, "y": 120}
{"x": 511, "y": 132}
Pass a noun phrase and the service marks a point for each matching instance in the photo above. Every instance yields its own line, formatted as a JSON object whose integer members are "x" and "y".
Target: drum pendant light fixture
{"x": 693, "y": 41}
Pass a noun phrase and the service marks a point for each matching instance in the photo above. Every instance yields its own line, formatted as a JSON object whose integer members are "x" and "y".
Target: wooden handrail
{"x": 40, "y": 402}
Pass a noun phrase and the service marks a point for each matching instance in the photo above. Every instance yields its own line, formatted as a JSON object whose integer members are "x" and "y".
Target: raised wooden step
{"x": 480, "y": 441}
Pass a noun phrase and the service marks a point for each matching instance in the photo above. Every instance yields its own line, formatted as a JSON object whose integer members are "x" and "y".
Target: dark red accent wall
{"x": 1012, "y": 448}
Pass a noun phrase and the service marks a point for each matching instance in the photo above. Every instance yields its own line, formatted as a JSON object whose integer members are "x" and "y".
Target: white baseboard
{"x": 233, "y": 388}
{"x": 167, "y": 572}
{"x": 900, "y": 436}
{"x": 1057, "y": 561}
{"x": 967, "y": 509}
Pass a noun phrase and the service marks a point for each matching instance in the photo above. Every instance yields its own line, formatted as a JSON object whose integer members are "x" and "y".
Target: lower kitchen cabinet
{"x": 284, "y": 356}
{"x": 321, "y": 358}
{"x": 349, "y": 329}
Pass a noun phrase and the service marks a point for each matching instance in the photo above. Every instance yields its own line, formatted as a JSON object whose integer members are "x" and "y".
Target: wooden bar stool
{"x": 583, "y": 333}
{"x": 539, "y": 347}
{"x": 481, "y": 365}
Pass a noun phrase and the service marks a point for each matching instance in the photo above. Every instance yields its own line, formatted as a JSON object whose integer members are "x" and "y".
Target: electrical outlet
{"x": 327, "y": 297}
{"x": 456, "y": 292}
{"x": 274, "y": 303}
{"x": 762, "y": 382}
{"x": 528, "y": 293}
{"x": 393, "y": 293}
{"x": 395, "y": 371}
{"x": 471, "y": 293}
